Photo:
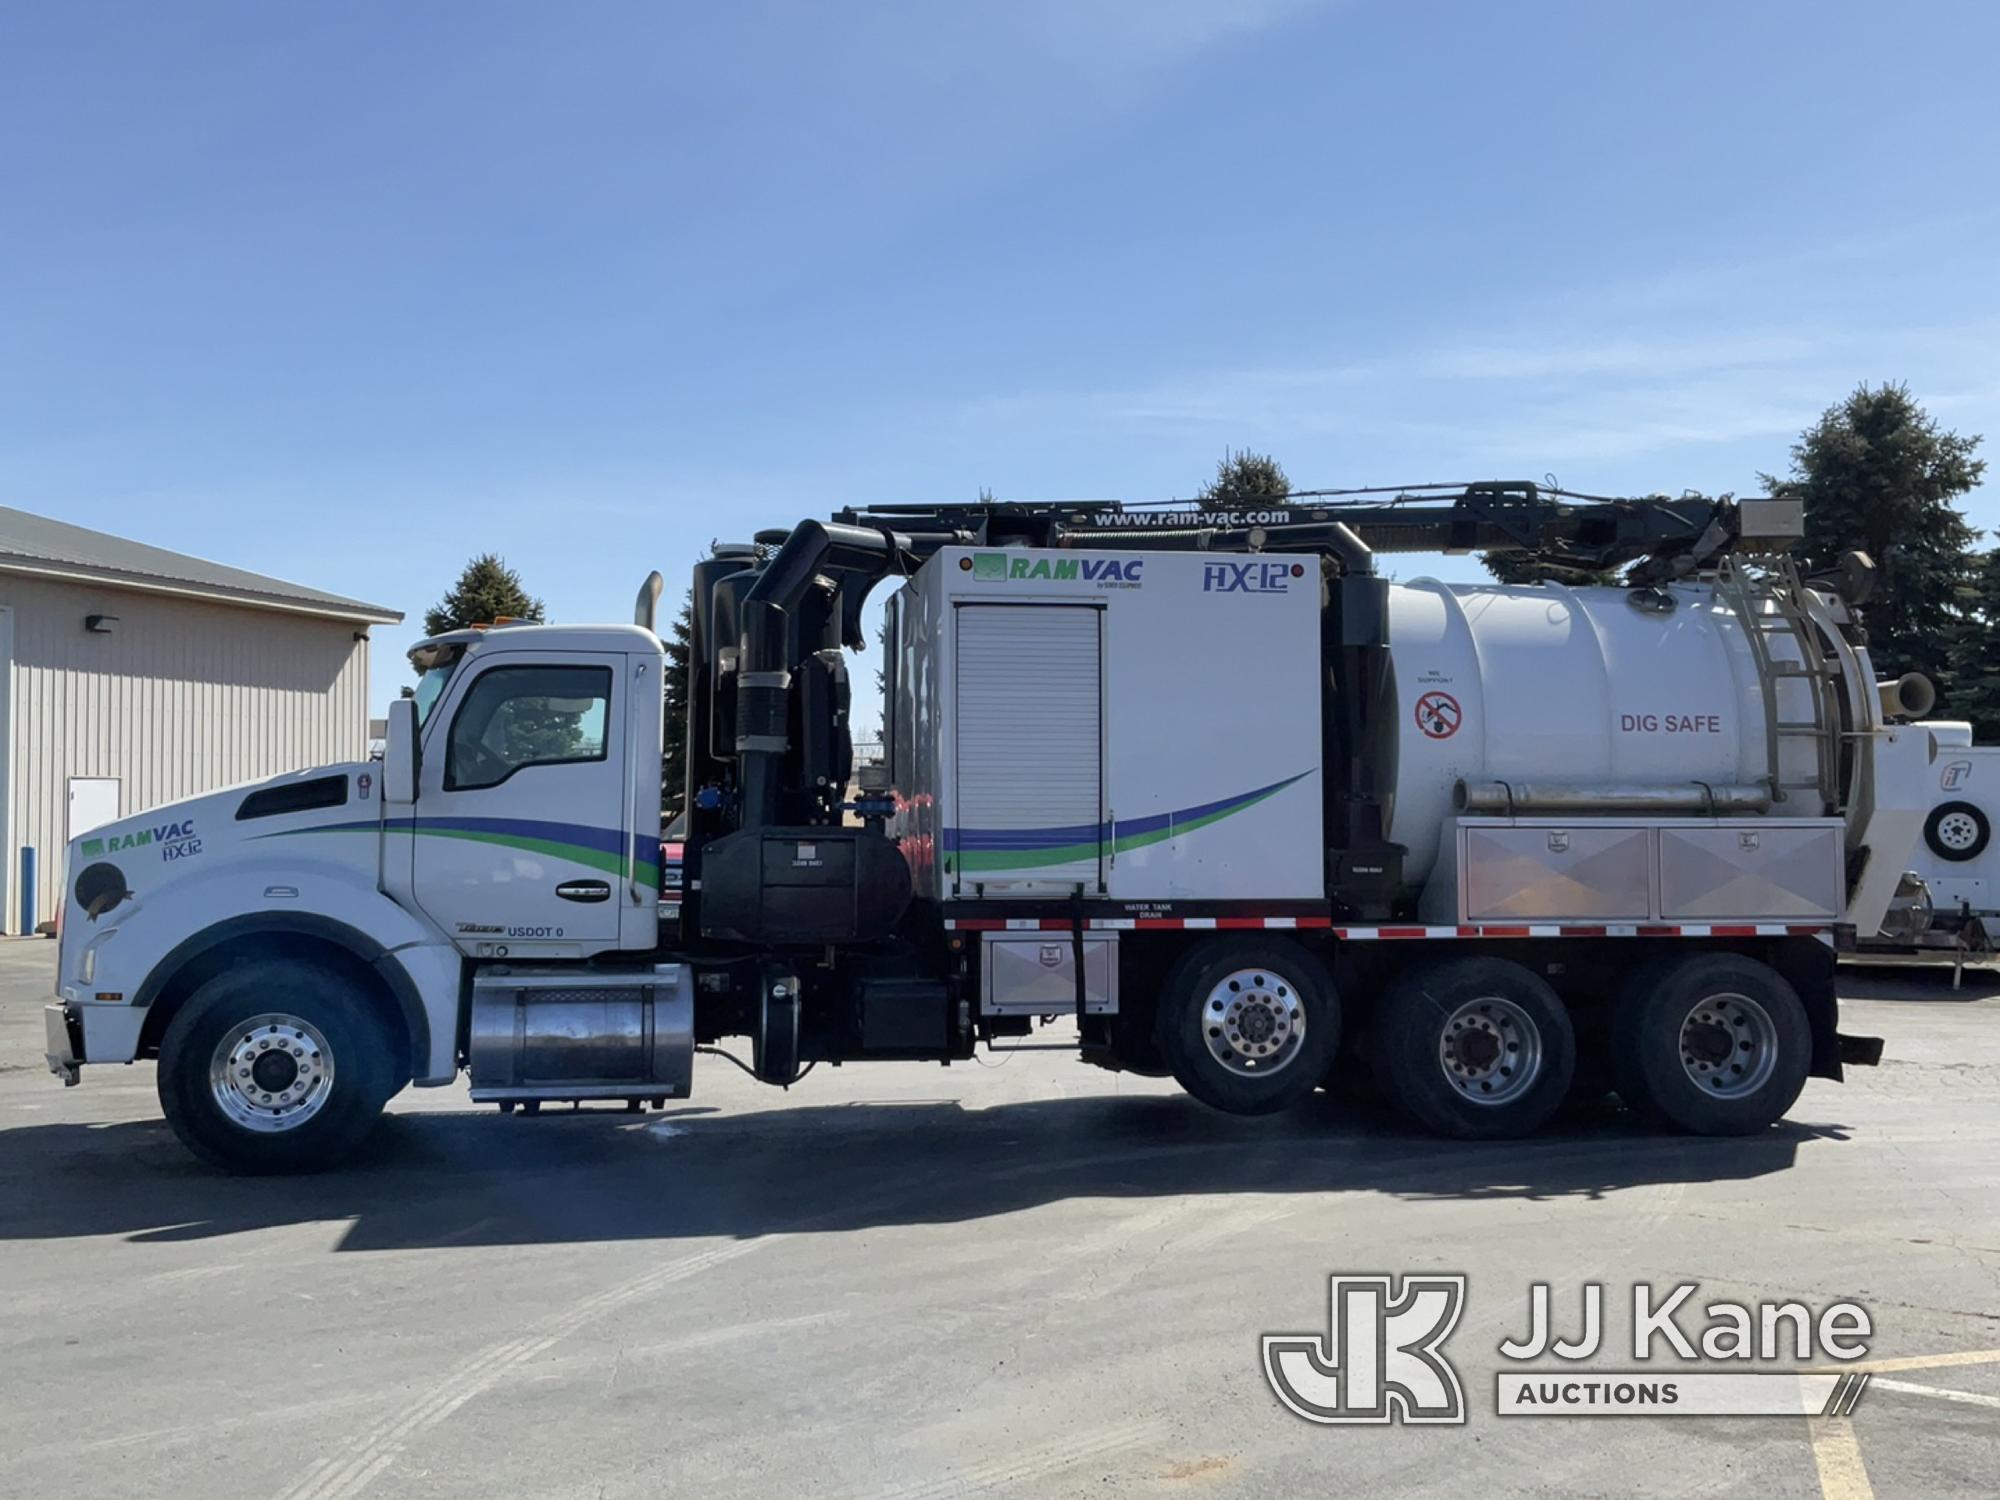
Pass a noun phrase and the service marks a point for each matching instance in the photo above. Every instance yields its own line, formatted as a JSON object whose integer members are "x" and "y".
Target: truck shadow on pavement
{"x": 446, "y": 1180}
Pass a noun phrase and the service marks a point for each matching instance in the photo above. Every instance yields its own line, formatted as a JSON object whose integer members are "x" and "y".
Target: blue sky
{"x": 345, "y": 293}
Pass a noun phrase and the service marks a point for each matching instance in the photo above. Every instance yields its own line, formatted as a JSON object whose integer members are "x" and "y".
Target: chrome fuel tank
{"x": 543, "y": 1034}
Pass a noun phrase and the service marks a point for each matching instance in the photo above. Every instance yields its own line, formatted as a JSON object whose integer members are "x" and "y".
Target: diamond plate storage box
{"x": 1638, "y": 870}
{"x": 1574, "y": 872}
{"x": 1034, "y": 973}
{"x": 1772, "y": 869}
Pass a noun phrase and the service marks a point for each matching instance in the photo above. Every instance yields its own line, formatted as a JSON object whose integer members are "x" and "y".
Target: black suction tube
{"x": 764, "y": 667}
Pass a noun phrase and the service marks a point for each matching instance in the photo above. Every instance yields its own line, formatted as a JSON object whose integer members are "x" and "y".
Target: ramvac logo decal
{"x": 1016, "y": 567}
{"x": 174, "y": 841}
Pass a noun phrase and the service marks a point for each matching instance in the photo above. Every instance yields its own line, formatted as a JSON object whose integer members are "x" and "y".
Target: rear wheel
{"x": 1248, "y": 1025}
{"x": 275, "y": 1066}
{"x": 1478, "y": 1048}
{"x": 1714, "y": 1044}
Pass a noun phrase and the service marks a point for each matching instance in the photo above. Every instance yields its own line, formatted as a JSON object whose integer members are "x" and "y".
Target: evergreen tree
{"x": 673, "y": 768}
{"x": 1876, "y": 473}
{"x": 486, "y": 591}
{"x": 1246, "y": 478}
{"x": 1975, "y": 651}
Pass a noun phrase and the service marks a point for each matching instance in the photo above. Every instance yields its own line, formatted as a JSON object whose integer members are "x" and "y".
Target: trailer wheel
{"x": 1957, "y": 831}
{"x": 1248, "y": 1025}
{"x": 1713, "y": 1044}
{"x": 273, "y": 1066}
{"x": 1478, "y": 1048}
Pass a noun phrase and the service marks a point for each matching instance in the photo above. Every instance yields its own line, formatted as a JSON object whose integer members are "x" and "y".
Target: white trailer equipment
{"x": 1202, "y": 782}
{"x": 1950, "y": 903}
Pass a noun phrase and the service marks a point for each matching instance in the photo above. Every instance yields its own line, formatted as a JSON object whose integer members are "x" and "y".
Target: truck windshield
{"x": 432, "y": 677}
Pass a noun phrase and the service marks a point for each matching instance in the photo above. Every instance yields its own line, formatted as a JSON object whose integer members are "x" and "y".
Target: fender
{"x": 146, "y": 943}
{"x": 302, "y": 924}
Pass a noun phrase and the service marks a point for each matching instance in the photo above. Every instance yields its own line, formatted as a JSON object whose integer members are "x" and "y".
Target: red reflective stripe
{"x": 1402, "y": 932}
{"x": 1227, "y": 923}
{"x": 1315, "y": 921}
{"x": 1503, "y": 932}
{"x": 1807, "y": 931}
{"x": 1750, "y": 931}
{"x": 1158, "y": 924}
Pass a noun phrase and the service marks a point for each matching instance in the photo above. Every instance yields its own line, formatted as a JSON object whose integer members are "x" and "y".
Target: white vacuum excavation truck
{"x": 1203, "y": 783}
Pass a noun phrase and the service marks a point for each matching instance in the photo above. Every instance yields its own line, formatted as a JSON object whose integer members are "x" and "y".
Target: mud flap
{"x": 1859, "y": 1051}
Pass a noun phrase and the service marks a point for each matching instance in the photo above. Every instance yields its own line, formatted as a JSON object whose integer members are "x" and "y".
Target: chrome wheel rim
{"x": 1490, "y": 1050}
{"x": 271, "y": 1073}
{"x": 1728, "y": 1045}
{"x": 1253, "y": 1022}
{"x": 1958, "y": 831}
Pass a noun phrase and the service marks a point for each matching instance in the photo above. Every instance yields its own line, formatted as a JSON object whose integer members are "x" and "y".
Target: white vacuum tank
{"x": 1548, "y": 684}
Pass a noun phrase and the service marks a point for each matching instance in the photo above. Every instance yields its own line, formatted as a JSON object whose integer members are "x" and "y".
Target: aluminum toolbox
{"x": 1594, "y": 870}
{"x": 1771, "y": 869}
{"x": 1034, "y": 974}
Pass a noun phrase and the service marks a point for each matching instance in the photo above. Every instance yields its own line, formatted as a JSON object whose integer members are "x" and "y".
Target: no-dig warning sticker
{"x": 1438, "y": 715}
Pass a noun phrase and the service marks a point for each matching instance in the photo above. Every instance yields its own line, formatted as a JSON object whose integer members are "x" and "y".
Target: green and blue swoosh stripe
{"x": 973, "y": 849}
{"x": 580, "y": 843}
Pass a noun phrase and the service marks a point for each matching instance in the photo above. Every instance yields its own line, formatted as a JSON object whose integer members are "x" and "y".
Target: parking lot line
{"x": 1842, "y": 1475}
{"x": 1911, "y": 1388}
{"x": 1928, "y": 1361}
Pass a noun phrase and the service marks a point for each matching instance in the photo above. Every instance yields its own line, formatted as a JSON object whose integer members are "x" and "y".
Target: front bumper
{"x": 64, "y": 1031}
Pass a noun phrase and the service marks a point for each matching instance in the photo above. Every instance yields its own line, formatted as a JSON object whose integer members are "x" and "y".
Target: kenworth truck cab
{"x": 1200, "y": 783}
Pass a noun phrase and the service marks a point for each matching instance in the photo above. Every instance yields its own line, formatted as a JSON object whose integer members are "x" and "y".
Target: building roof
{"x": 56, "y": 549}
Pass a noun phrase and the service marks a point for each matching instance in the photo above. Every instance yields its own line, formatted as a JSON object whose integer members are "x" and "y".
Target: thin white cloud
{"x": 1632, "y": 368}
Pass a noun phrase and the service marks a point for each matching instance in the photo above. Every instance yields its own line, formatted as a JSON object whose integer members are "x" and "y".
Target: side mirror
{"x": 400, "y": 754}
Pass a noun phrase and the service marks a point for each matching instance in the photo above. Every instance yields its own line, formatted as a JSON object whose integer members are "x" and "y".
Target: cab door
{"x": 522, "y": 842}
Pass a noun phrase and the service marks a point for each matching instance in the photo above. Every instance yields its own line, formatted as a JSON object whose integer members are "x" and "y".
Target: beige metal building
{"x": 131, "y": 676}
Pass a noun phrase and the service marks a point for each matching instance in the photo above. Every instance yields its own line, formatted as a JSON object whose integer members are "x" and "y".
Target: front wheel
{"x": 274, "y": 1066}
{"x": 1248, "y": 1025}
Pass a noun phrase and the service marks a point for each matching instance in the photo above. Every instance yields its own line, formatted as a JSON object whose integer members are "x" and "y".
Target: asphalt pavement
{"x": 1023, "y": 1276}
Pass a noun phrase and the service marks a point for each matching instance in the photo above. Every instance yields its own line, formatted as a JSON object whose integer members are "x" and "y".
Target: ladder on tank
{"x": 1770, "y": 603}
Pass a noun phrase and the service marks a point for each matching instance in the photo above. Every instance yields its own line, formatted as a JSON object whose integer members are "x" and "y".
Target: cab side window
{"x": 514, "y": 717}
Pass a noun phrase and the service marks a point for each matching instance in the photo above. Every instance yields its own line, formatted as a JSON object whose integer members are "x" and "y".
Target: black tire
{"x": 1727, "y": 1046}
{"x": 1287, "y": 1008}
{"x": 1957, "y": 832}
{"x": 1445, "y": 1033}
{"x": 359, "y": 1066}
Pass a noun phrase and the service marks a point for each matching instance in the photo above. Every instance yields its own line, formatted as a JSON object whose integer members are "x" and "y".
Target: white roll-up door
{"x": 1030, "y": 794}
